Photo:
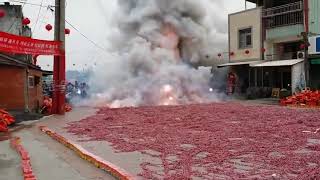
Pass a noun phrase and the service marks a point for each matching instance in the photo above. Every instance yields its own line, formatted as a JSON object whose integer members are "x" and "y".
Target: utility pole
{"x": 305, "y": 36}
{"x": 59, "y": 69}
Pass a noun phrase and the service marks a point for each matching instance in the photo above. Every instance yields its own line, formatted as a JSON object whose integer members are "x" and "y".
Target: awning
{"x": 238, "y": 63}
{"x": 278, "y": 63}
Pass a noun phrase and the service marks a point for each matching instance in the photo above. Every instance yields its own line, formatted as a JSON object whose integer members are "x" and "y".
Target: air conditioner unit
{"x": 300, "y": 55}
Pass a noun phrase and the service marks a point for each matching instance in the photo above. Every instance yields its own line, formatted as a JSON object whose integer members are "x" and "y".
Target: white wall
{"x": 241, "y": 20}
{"x": 298, "y": 77}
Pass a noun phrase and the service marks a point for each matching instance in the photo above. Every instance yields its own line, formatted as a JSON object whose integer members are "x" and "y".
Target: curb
{"x": 25, "y": 159}
{"x": 86, "y": 155}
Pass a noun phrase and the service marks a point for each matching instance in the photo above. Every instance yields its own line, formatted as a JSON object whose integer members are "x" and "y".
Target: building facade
{"x": 268, "y": 45}
{"x": 20, "y": 79}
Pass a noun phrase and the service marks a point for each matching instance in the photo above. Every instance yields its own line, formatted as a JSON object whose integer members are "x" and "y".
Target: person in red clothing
{"x": 231, "y": 83}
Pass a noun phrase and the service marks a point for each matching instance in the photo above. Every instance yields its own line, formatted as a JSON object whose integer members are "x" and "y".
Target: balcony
{"x": 284, "y": 15}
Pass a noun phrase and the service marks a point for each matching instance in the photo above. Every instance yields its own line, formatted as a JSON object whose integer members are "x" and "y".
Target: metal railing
{"x": 282, "y": 56}
{"x": 285, "y": 15}
{"x": 284, "y": 9}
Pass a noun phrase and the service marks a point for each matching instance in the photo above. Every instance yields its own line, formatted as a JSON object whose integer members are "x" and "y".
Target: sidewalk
{"x": 9, "y": 162}
{"x": 127, "y": 161}
{"x": 50, "y": 160}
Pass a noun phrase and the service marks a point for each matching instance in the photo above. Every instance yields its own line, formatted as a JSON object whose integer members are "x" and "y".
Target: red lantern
{"x": 2, "y": 13}
{"x": 26, "y": 21}
{"x": 219, "y": 54}
{"x": 247, "y": 51}
{"x": 302, "y": 46}
{"x": 67, "y": 31}
{"x": 263, "y": 50}
{"x": 48, "y": 27}
{"x": 232, "y": 54}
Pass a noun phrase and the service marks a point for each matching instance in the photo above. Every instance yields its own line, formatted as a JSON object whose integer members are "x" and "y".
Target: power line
{"x": 51, "y": 8}
{"x": 86, "y": 37}
{"x": 34, "y": 27}
{"x": 25, "y": 2}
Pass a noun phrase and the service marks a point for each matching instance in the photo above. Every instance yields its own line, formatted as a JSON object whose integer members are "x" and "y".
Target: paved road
{"x": 50, "y": 160}
{"x": 9, "y": 163}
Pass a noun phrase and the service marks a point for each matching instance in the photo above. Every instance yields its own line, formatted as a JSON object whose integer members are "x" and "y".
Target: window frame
{"x": 246, "y": 46}
{"x": 29, "y": 81}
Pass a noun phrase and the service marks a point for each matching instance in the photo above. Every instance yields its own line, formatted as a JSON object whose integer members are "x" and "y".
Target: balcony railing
{"x": 282, "y": 56}
{"x": 285, "y": 15}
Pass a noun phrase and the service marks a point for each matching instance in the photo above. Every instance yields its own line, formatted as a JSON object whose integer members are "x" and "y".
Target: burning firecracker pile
{"x": 305, "y": 98}
{"x": 5, "y": 120}
{"x": 226, "y": 141}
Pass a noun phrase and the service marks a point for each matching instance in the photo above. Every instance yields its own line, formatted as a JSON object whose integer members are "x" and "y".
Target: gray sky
{"x": 93, "y": 18}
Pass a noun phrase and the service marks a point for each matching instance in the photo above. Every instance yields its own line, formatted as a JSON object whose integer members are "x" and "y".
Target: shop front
{"x": 265, "y": 79}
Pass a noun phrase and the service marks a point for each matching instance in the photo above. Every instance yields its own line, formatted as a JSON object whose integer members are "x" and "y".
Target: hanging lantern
{"x": 263, "y": 50}
{"x": 67, "y": 31}
{"x": 247, "y": 51}
{"x": 2, "y": 13}
{"x": 302, "y": 46}
{"x": 231, "y": 53}
{"x": 48, "y": 27}
{"x": 26, "y": 21}
{"x": 219, "y": 55}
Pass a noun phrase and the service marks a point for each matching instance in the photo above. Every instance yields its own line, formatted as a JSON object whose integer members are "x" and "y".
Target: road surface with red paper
{"x": 214, "y": 141}
{"x": 224, "y": 140}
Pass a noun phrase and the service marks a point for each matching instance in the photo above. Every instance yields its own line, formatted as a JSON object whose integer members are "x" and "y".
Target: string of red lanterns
{"x": 67, "y": 31}
{"x": 26, "y": 21}
{"x": 246, "y": 52}
{"x": 2, "y": 13}
{"x": 49, "y": 27}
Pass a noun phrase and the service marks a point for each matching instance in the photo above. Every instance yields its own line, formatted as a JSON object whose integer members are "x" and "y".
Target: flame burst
{"x": 167, "y": 96}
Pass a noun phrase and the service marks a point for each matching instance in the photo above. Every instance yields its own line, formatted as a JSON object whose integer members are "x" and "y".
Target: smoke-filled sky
{"x": 94, "y": 18}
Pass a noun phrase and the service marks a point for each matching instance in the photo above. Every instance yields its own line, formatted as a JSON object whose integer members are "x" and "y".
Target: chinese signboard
{"x": 23, "y": 45}
{"x": 314, "y": 45}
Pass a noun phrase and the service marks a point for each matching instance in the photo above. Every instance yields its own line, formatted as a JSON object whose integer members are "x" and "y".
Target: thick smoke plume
{"x": 155, "y": 48}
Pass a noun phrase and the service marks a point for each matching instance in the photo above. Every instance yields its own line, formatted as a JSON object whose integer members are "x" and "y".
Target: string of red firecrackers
{"x": 84, "y": 154}
{"x": 5, "y": 120}
{"x": 25, "y": 159}
{"x": 306, "y": 98}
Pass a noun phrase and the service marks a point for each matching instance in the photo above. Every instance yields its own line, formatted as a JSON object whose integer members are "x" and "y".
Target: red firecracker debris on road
{"x": 306, "y": 98}
{"x": 5, "y": 120}
{"x": 226, "y": 141}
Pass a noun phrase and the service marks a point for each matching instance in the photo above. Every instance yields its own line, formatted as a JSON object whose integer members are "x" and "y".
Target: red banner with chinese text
{"x": 11, "y": 43}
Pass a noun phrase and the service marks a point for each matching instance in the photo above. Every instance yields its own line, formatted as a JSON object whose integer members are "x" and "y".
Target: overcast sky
{"x": 93, "y": 19}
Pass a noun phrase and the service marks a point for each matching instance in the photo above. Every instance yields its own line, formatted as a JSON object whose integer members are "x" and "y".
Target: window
{"x": 31, "y": 82}
{"x": 245, "y": 38}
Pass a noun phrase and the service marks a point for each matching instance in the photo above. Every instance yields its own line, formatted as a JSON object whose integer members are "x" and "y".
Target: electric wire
{"x": 38, "y": 16}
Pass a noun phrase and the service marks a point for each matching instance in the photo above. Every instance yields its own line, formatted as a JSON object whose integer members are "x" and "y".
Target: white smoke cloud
{"x": 144, "y": 61}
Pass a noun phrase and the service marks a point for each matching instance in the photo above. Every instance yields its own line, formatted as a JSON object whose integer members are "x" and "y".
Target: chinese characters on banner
{"x": 23, "y": 45}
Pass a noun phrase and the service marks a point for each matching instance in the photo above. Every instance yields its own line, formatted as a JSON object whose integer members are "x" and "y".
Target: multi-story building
{"x": 268, "y": 44}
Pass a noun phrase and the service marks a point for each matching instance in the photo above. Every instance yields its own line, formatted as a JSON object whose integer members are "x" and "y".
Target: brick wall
{"x": 12, "y": 87}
